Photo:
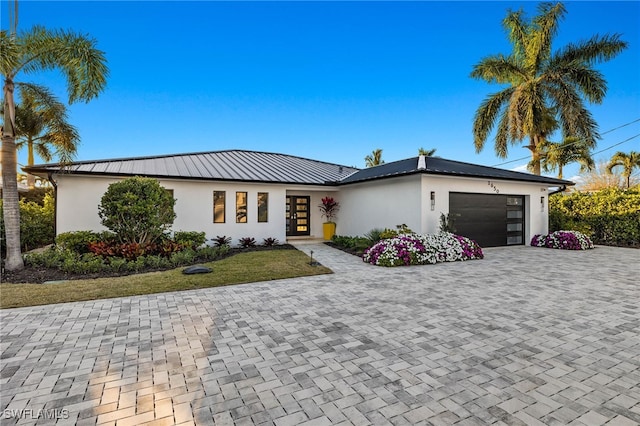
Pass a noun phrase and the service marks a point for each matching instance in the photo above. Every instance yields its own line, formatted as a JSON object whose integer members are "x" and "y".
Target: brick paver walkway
{"x": 525, "y": 336}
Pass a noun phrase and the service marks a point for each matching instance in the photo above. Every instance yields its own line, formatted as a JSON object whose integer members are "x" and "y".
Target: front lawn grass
{"x": 237, "y": 269}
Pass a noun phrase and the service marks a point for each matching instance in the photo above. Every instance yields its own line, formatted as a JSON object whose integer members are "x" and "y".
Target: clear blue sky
{"x": 325, "y": 80}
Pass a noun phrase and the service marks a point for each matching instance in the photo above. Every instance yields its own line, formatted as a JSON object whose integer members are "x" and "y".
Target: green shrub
{"x": 447, "y": 223}
{"x": 36, "y": 195}
{"x": 50, "y": 258}
{"x": 77, "y": 241}
{"x": 357, "y": 244}
{"x": 222, "y": 250}
{"x": 36, "y": 223}
{"x": 191, "y": 239}
{"x": 374, "y": 235}
{"x": 138, "y": 210}
{"x": 210, "y": 253}
{"x": 182, "y": 257}
{"x": 610, "y": 216}
{"x": 391, "y": 233}
{"x": 118, "y": 264}
{"x": 157, "y": 262}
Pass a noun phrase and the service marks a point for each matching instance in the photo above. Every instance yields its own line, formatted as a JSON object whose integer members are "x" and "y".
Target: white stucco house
{"x": 239, "y": 193}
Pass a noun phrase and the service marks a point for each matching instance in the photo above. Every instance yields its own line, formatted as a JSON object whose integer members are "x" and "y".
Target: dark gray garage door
{"x": 491, "y": 220}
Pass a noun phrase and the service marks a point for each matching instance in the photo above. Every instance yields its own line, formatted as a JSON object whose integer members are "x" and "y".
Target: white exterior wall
{"x": 380, "y": 204}
{"x": 389, "y": 202}
{"x": 363, "y": 206}
{"x": 536, "y": 220}
{"x": 79, "y": 197}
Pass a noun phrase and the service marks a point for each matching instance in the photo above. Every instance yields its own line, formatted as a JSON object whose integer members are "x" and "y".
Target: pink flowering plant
{"x": 565, "y": 240}
{"x": 329, "y": 208}
{"x": 414, "y": 249}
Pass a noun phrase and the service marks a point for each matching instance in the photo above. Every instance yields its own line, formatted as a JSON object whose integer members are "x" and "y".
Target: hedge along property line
{"x": 36, "y": 222}
{"x": 609, "y": 217}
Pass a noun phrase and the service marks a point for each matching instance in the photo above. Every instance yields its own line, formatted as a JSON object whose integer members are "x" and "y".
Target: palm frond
{"x": 499, "y": 69}
{"x": 9, "y": 54}
{"x": 486, "y": 115}
{"x": 43, "y": 152}
{"x": 588, "y": 82}
{"x": 74, "y": 54}
{"x": 544, "y": 28}
{"x": 427, "y": 152}
{"x": 556, "y": 155}
{"x": 515, "y": 113}
{"x": 574, "y": 118}
{"x": 502, "y": 135}
{"x": 516, "y": 28}
{"x": 41, "y": 123}
{"x": 596, "y": 49}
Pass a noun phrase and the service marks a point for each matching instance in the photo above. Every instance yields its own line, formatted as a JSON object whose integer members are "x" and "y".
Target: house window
{"x": 241, "y": 207}
{"x": 263, "y": 206}
{"x": 218, "y": 206}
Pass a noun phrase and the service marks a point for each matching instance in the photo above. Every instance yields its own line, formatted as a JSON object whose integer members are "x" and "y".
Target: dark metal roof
{"x": 440, "y": 166}
{"x": 253, "y": 166}
{"x": 230, "y": 165}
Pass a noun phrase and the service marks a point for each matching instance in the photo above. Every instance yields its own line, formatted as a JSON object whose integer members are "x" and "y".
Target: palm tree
{"x": 39, "y": 49}
{"x": 374, "y": 159}
{"x": 544, "y": 90}
{"x": 628, "y": 162}
{"x": 556, "y": 155}
{"x": 41, "y": 125}
{"x": 427, "y": 152}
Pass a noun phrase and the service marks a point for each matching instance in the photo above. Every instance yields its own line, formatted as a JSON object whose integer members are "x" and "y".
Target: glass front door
{"x": 298, "y": 217}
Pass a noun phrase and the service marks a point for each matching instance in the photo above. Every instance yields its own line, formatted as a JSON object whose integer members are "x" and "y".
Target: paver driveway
{"x": 525, "y": 336}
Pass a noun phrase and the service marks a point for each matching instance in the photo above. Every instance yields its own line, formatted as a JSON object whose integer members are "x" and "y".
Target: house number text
{"x": 494, "y": 187}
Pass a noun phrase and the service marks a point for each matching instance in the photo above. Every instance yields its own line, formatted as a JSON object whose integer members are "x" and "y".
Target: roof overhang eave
{"x": 550, "y": 182}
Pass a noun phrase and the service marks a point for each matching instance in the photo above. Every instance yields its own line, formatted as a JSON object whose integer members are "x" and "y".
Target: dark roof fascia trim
{"x": 555, "y": 182}
{"x": 413, "y": 172}
{"x": 58, "y": 172}
{"x": 428, "y": 172}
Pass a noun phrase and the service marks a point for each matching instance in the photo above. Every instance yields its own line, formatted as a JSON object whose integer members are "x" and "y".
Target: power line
{"x": 620, "y": 127}
{"x": 580, "y": 140}
{"x": 614, "y": 145}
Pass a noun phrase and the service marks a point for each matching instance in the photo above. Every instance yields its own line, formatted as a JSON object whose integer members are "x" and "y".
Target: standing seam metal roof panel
{"x": 239, "y": 165}
{"x": 235, "y": 165}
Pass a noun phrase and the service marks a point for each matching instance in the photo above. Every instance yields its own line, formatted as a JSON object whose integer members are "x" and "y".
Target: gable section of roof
{"x": 229, "y": 165}
{"x": 441, "y": 166}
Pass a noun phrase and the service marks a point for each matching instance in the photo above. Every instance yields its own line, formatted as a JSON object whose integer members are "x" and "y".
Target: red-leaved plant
{"x": 329, "y": 208}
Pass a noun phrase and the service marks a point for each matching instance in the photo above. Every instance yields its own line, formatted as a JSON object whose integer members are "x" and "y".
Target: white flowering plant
{"x": 414, "y": 249}
{"x": 565, "y": 240}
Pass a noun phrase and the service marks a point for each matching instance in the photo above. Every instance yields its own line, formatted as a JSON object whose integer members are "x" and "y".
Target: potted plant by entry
{"x": 329, "y": 209}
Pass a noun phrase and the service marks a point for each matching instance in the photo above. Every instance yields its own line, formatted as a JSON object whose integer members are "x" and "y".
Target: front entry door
{"x": 298, "y": 217}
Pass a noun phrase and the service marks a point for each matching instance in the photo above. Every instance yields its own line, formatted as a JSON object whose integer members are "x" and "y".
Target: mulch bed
{"x": 40, "y": 275}
{"x": 345, "y": 249}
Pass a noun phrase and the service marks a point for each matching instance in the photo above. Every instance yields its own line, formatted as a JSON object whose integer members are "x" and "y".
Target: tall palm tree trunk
{"x": 11, "y": 205}
{"x": 535, "y": 153}
{"x": 31, "y": 179}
